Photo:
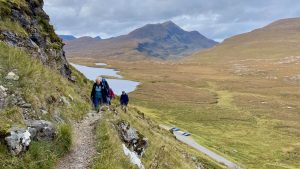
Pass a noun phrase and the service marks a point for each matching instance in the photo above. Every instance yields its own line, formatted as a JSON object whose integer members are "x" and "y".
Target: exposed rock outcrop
{"x": 19, "y": 138}
{"x": 133, "y": 139}
{"x": 34, "y": 33}
{"x": 41, "y": 129}
{"x": 18, "y": 141}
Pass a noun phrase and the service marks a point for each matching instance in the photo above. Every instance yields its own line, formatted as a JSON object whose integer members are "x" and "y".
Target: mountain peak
{"x": 168, "y": 23}
{"x": 154, "y": 31}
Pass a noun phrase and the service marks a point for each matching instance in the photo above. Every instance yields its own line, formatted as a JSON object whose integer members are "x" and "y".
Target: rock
{"x": 200, "y": 166}
{"x": 44, "y": 112}
{"x": 141, "y": 115}
{"x": 2, "y": 88}
{"x": 70, "y": 97}
{"x": 33, "y": 132}
{"x": 57, "y": 117}
{"x": 27, "y": 113}
{"x": 64, "y": 100}
{"x": 194, "y": 159}
{"x": 3, "y": 96}
{"x": 44, "y": 129}
{"x": 51, "y": 99}
{"x": 72, "y": 79}
{"x": 18, "y": 141}
{"x": 132, "y": 138}
{"x": 26, "y": 105}
{"x": 12, "y": 76}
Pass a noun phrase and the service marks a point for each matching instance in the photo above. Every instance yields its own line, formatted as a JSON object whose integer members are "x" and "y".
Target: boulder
{"x": 18, "y": 141}
{"x": 12, "y": 76}
{"x": 41, "y": 129}
{"x": 132, "y": 138}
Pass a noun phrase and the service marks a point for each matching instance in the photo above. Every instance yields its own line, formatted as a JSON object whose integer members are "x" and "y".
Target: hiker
{"x": 96, "y": 94}
{"x": 105, "y": 91}
{"x": 111, "y": 95}
{"x": 124, "y": 99}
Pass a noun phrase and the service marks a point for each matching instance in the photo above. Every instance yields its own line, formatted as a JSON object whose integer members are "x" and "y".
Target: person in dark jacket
{"x": 97, "y": 94}
{"x": 105, "y": 91}
{"x": 124, "y": 99}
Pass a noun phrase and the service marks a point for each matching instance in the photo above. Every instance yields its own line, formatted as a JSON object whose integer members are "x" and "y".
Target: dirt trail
{"x": 84, "y": 148}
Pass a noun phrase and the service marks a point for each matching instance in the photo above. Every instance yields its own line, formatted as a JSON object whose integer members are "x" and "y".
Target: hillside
{"x": 239, "y": 99}
{"x": 277, "y": 40}
{"x": 164, "y": 41}
{"x": 38, "y": 88}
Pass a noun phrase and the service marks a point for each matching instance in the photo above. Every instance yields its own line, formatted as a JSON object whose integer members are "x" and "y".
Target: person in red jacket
{"x": 111, "y": 95}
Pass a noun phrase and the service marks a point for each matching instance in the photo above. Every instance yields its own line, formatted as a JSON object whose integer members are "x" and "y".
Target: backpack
{"x": 105, "y": 86}
{"x": 111, "y": 93}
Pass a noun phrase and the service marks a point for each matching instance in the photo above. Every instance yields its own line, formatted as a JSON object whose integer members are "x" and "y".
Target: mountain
{"x": 168, "y": 39}
{"x": 67, "y": 37}
{"x": 164, "y": 40}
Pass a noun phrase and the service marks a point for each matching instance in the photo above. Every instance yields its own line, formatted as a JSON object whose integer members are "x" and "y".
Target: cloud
{"x": 216, "y": 19}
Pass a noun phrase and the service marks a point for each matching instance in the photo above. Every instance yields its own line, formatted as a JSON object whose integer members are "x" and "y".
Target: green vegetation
{"x": 235, "y": 129}
{"x": 163, "y": 150}
{"x": 236, "y": 99}
{"x": 13, "y": 26}
{"x": 37, "y": 83}
{"x": 42, "y": 154}
{"x": 110, "y": 148}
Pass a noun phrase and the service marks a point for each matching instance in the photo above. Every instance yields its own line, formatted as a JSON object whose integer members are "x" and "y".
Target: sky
{"x": 216, "y": 19}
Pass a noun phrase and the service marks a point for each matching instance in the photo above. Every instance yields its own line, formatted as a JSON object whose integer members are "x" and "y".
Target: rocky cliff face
{"x": 24, "y": 24}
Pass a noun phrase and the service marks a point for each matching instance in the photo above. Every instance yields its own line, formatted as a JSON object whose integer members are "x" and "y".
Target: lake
{"x": 118, "y": 85}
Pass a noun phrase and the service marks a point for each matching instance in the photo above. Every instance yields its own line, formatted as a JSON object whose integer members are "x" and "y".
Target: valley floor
{"x": 247, "y": 111}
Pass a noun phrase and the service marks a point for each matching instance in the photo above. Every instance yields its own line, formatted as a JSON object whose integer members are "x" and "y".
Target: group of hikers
{"x": 102, "y": 94}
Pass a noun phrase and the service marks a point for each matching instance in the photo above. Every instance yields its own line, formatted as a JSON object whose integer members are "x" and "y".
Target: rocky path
{"x": 84, "y": 148}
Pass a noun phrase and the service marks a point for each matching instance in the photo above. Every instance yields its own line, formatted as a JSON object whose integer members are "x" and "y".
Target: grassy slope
{"x": 36, "y": 83}
{"x": 236, "y": 98}
{"x": 163, "y": 150}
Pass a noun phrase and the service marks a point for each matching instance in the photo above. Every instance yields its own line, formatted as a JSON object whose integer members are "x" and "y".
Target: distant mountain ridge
{"x": 163, "y": 40}
{"x": 67, "y": 37}
{"x": 71, "y": 37}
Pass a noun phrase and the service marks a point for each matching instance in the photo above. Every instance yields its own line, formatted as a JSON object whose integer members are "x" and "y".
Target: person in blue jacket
{"x": 96, "y": 94}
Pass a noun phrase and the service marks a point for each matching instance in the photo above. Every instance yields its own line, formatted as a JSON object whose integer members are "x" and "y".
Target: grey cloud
{"x": 217, "y": 19}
